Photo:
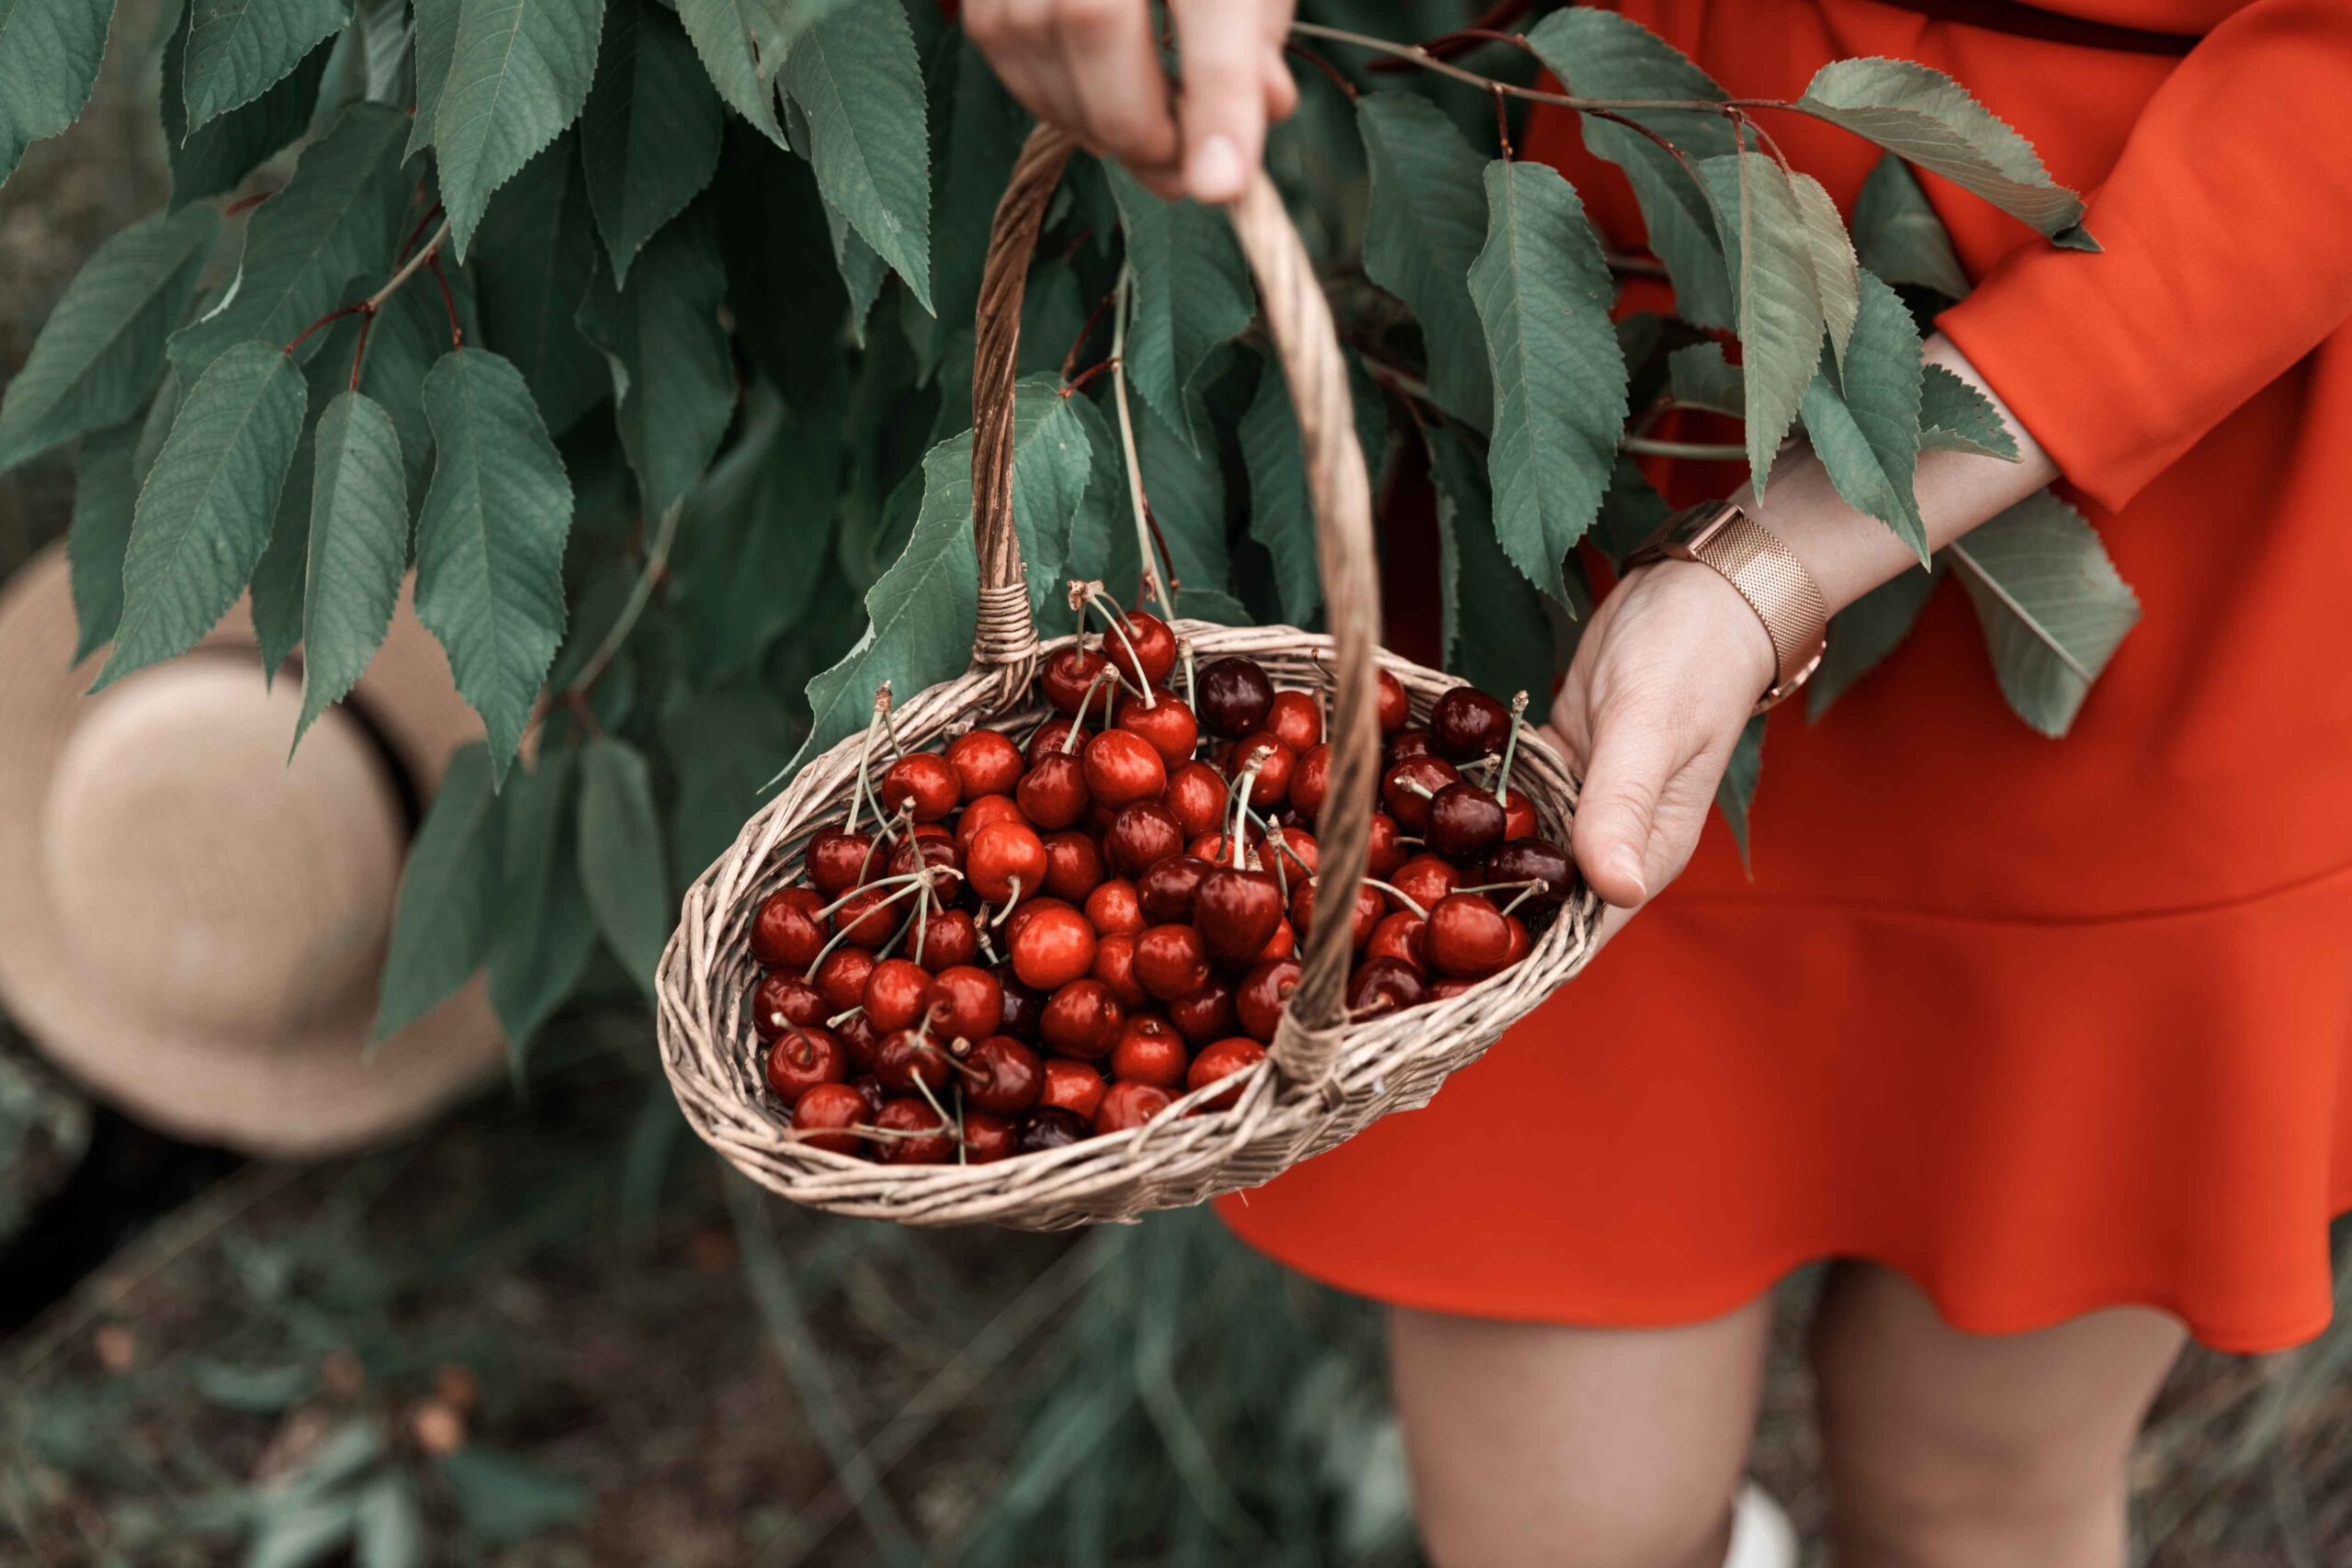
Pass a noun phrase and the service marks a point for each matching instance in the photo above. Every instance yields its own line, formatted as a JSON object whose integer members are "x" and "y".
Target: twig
{"x": 1151, "y": 588}
{"x": 1692, "y": 451}
{"x": 657, "y": 562}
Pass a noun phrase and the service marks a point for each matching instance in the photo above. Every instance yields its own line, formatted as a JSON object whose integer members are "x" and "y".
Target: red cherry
{"x": 1406, "y": 789}
{"x": 1172, "y": 962}
{"x": 1295, "y": 720}
{"x": 1053, "y": 793}
{"x": 1425, "y": 879}
{"x": 823, "y": 1110}
{"x": 1196, "y": 795}
{"x": 987, "y": 1138}
{"x": 1532, "y": 859}
{"x": 1219, "y": 1061}
{"x": 841, "y": 976}
{"x": 1468, "y": 937}
{"x": 1054, "y": 738}
{"x": 1067, "y": 674}
{"x": 1072, "y": 1086}
{"x": 1083, "y": 1018}
{"x": 837, "y": 861}
{"x": 1127, "y": 1106}
{"x": 1006, "y": 860}
{"x": 1464, "y": 822}
{"x": 1519, "y": 815}
{"x": 781, "y": 1000}
{"x": 1520, "y": 942}
{"x": 1234, "y": 695}
{"x": 894, "y": 993}
{"x": 923, "y": 781}
{"x": 1168, "y": 725}
{"x": 1283, "y": 944}
{"x": 1446, "y": 990}
{"x": 1236, "y": 912}
{"x": 1149, "y": 1050}
{"x": 1055, "y": 947}
{"x": 1008, "y": 1076}
{"x": 1383, "y": 986}
{"x": 1295, "y": 848}
{"x": 936, "y": 849}
{"x": 1405, "y": 745}
{"x": 1370, "y": 906}
{"x": 1052, "y": 1127}
{"x": 1207, "y": 1013}
{"x": 868, "y": 917}
{"x": 943, "y": 939}
{"x": 1390, "y": 702}
{"x": 1276, "y": 763}
{"x": 1310, "y": 782}
{"x": 1024, "y": 1005}
{"x": 908, "y": 1057}
{"x": 1122, "y": 768}
{"x": 1165, "y": 892}
{"x": 1099, "y": 818}
{"x": 963, "y": 1003}
{"x": 986, "y": 763}
{"x": 1258, "y": 1001}
{"x": 1146, "y": 653}
{"x": 1214, "y": 849}
{"x": 1466, "y": 723}
{"x": 979, "y": 813}
{"x": 1073, "y": 866}
{"x": 1115, "y": 965}
{"x": 1402, "y": 936}
{"x": 786, "y": 933}
{"x": 1114, "y": 910}
{"x": 1141, "y": 836}
{"x": 858, "y": 1037}
{"x": 1386, "y": 853}
{"x": 916, "y": 1116}
{"x": 1028, "y": 909}
{"x": 803, "y": 1058}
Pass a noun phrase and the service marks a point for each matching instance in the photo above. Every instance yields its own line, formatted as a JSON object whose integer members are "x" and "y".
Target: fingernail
{"x": 1216, "y": 172}
{"x": 1626, "y": 861}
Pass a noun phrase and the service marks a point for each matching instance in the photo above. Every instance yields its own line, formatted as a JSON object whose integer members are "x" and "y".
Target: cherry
{"x": 895, "y": 989}
{"x": 1295, "y": 848}
{"x": 1196, "y": 795}
{"x": 1391, "y": 704}
{"x": 1235, "y": 696}
{"x": 1258, "y": 1001}
{"x": 1115, "y": 965}
{"x": 980, "y": 812}
{"x": 1296, "y": 721}
{"x": 1165, "y": 891}
{"x": 1053, "y": 793}
{"x": 1019, "y": 917}
{"x": 870, "y": 1090}
{"x": 836, "y": 861}
{"x": 1405, "y": 745}
{"x": 1099, "y": 818}
{"x": 1172, "y": 962}
{"x": 786, "y": 933}
{"x": 1283, "y": 944}
{"x": 858, "y": 1037}
{"x": 1383, "y": 986}
{"x": 1147, "y": 652}
{"x": 1276, "y": 763}
{"x": 868, "y": 917}
{"x": 1127, "y": 1106}
{"x": 1216, "y": 848}
{"x": 1403, "y": 936}
{"x": 1220, "y": 1061}
{"x": 1206, "y": 1014}
{"x": 945, "y": 938}
{"x": 1141, "y": 836}
{"x": 986, "y": 763}
{"x": 1310, "y": 782}
{"x": 1519, "y": 815}
{"x": 1024, "y": 1005}
{"x": 803, "y": 1058}
{"x": 1122, "y": 768}
{"x": 923, "y": 782}
{"x": 1054, "y": 947}
{"x": 1465, "y": 821}
{"x": 1067, "y": 674}
{"x": 1446, "y": 990}
{"x": 1408, "y": 788}
{"x": 1052, "y": 737}
{"x": 1006, "y": 859}
{"x": 936, "y": 849}
{"x": 1051, "y": 1127}
{"x": 1468, "y": 938}
{"x": 1236, "y": 912}
{"x": 1466, "y": 723}
{"x": 1370, "y": 906}
{"x": 1083, "y": 1018}
{"x": 1113, "y": 909}
{"x": 908, "y": 1057}
{"x": 1425, "y": 879}
{"x": 1008, "y": 1076}
{"x": 1074, "y": 1087}
{"x": 824, "y": 1109}
{"x": 964, "y": 1002}
{"x": 1073, "y": 865}
{"x": 1168, "y": 724}
{"x": 780, "y": 1000}
{"x": 1520, "y": 942}
{"x": 1386, "y": 854}
{"x": 916, "y": 1116}
{"x": 987, "y": 1138}
{"x": 841, "y": 976}
{"x": 1149, "y": 1050}
{"x": 1530, "y": 860}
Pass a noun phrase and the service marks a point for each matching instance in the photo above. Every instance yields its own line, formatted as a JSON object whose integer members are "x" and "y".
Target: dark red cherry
{"x": 869, "y": 917}
{"x": 1073, "y": 865}
{"x": 1519, "y": 815}
{"x": 1165, "y": 892}
{"x": 908, "y": 1057}
{"x": 1168, "y": 724}
{"x": 987, "y": 1138}
{"x": 1295, "y": 720}
{"x": 1053, "y": 793}
{"x": 895, "y": 990}
{"x": 864, "y": 1043}
{"x": 921, "y": 783}
{"x": 937, "y": 849}
{"x": 1024, "y": 1005}
{"x": 786, "y": 933}
{"x": 1066, "y": 675}
{"x": 1115, "y": 965}
{"x": 1072, "y": 1086}
{"x": 837, "y": 861}
{"x": 986, "y": 762}
{"x": 1083, "y": 1018}
{"x": 1206, "y": 1014}
{"x": 1464, "y": 822}
{"x": 1403, "y": 936}
{"x": 1370, "y": 906}
{"x": 822, "y": 1113}
{"x": 1258, "y": 1001}
{"x": 1310, "y": 782}
{"x": 781, "y": 1000}
{"x": 1234, "y": 697}
{"x": 1141, "y": 836}
{"x": 1383, "y": 986}
{"x": 1127, "y": 1106}
{"x": 985, "y": 812}
{"x": 1051, "y": 1127}
{"x": 803, "y": 1058}
{"x": 1052, "y": 738}
{"x": 1149, "y": 1050}
{"x": 1007, "y": 859}
{"x": 1283, "y": 944}
{"x": 1386, "y": 854}
{"x": 1122, "y": 768}
{"x": 1236, "y": 912}
{"x": 1467, "y": 723}
{"x": 1172, "y": 962}
{"x": 1520, "y": 941}
{"x": 1408, "y": 788}
{"x": 1007, "y": 1077}
{"x": 1196, "y": 795}
{"x": 963, "y": 1003}
{"x": 1273, "y": 762}
{"x": 1219, "y": 1061}
{"x": 841, "y": 976}
{"x": 1146, "y": 653}
{"x": 1405, "y": 745}
{"x": 943, "y": 938}
{"x": 1113, "y": 909}
{"x": 1532, "y": 859}
{"x": 1425, "y": 879}
{"x": 937, "y": 1147}
{"x": 1394, "y": 708}
{"x": 1294, "y": 850}
{"x": 1055, "y": 947}
{"x": 1468, "y": 938}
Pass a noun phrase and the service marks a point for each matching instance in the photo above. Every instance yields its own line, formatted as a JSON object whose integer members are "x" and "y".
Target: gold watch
{"x": 1753, "y": 560}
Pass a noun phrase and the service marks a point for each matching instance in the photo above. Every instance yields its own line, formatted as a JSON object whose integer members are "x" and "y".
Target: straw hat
{"x": 193, "y": 927}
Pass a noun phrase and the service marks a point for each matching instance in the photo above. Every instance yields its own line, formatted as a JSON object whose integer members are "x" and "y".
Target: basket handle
{"x": 1298, "y": 321}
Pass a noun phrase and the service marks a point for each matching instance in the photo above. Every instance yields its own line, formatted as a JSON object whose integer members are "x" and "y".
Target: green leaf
{"x": 545, "y": 931}
{"x": 724, "y": 745}
{"x": 337, "y": 221}
{"x": 734, "y": 38}
{"x": 855, "y": 75}
{"x": 224, "y": 151}
{"x": 537, "y": 259}
{"x": 1053, "y": 455}
{"x": 621, "y": 864}
{"x": 95, "y": 358}
{"x": 1863, "y": 420}
{"x": 2052, "y": 606}
{"x": 490, "y": 540}
{"x": 1603, "y": 54}
{"x": 1898, "y": 235}
{"x": 649, "y": 137}
{"x": 203, "y": 513}
{"x": 922, "y": 611}
{"x": 50, "y": 51}
{"x": 1835, "y": 272}
{"x": 519, "y": 73}
{"x": 385, "y": 34}
{"x": 1191, "y": 294}
{"x": 436, "y": 45}
{"x": 753, "y": 544}
{"x": 441, "y": 926}
{"x": 237, "y": 50}
{"x": 276, "y": 590}
{"x": 673, "y": 378}
{"x": 1863, "y": 633}
{"x": 1924, "y": 116}
{"x": 504, "y": 1497}
{"x": 1631, "y": 512}
{"x": 1699, "y": 375}
{"x": 297, "y": 1532}
{"x": 977, "y": 128}
{"x": 1735, "y": 791}
{"x": 358, "y": 549}
{"x": 1497, "y": 634}
{"x": 1425, "y": 223}
{"x": 1280, "y": 517}
{"x": 860, "y": 268}
{"x": 1543, "y": 293}
{"x": 105, "y": 490}
{"x": 1956, "y": 417}
{"x": 409, "y": 335}
{"x": 1186, "y": 486}
{"x": 391, "y": 1525}
{"x": 1780, "y": 311}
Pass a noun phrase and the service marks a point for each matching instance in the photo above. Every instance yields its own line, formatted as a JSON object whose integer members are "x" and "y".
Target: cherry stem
{"x": 1539, "y": 885}
{"x": 1116, "y": 619}
{"x": 866, "y": 758}
{"x": 1192, "y": 685}
{"x": 1417, "y": 787}
{"x": 866, "y": 864}
{"x": 1078, "y": 719}
{"x": 1398, "y": 894}
{"x": 904, "y": 881}
{"x": 998, "y": 918}
{"x": 1281, "y": 847}
{"x": 1123, "y": 293}
{"x": 1237, "y": 823}
{"x": 1529, "y": 884}
{"x": 1510, "y": 749}
{"x": 845, "y": 1016}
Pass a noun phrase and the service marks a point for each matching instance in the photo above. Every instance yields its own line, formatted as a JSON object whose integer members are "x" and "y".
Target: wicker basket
{"x": 1324, "y": 1078}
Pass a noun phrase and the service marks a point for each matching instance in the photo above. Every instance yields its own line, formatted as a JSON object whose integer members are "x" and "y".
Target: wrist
{"x": 1739, "y": 644}
{"x": 1764, "y": 574}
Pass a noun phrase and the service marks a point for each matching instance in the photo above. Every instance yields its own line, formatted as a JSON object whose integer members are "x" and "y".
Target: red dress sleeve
{"x": 2227, "y": 233}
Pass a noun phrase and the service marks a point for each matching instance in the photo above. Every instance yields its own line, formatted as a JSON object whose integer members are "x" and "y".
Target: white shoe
{"x": 1761, "y": 1536}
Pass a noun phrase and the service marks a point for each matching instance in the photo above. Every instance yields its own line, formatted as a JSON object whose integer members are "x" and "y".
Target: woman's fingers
{"x": 1122, "y": 92}
{"x": 1221, "y": 49}
{"x": 1635, "y": 755}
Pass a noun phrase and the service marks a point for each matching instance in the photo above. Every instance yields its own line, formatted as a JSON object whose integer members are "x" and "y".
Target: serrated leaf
{"x": 490, "y": 540}
{"x": 735, "y": 41}
{"x": 203, "y": 513}
{"x": 1863, "y": 633}
{"x": 50, "y": 51}
{"x": 1956, "y": 417}
{"x": 1191, "y": 294}
{"x": 545, "y": 931}
{"x": 276, "y": 590}
{"x": 921, "y": 612}
{"x": 1603, "y": 54}
{"x": 1779, "y": 312}
{"x": 1735, "y": 791}
{"x": 1542, "y": 293}
{"x": 1186, "y": 487}
{"x": 753, "y": 541}
{"x": 855, "y": 75}
{"x": 410, "y": 335}
{"x": 1898, "y": 235}
{"x": 977, "y": 131}
{"x": 223, "y": 152}
{"x": 538, "y": 258}
{"x": 1497, "y": 635}
{"x": 237, "y": 50}
{"x": 650, "y": 136}
{"x": 621, "y": 864}
{"x": 105, "y": 490}
{"x": 1280, "y": 517}
{"x": 1698, "y": 374}
{"x": 358, "y": 549}
{"x": 1924, "y": 116}
{"x": 442, "y": 923}
{"x": 337, "y": 221}
{"x": 1631, "y": 512}
{"x": 674, "y": 378}
{"x": 385, "y": 34}
{"x": 391, "y": 1532}
{"x": 1836, "y": 274}
{"x": 723, "y": 746}
{"x": 1423, "y": 227}
{"x": 1863, "y": 420}
{"x": 861, "y": 270}
{"x": 436, "y": 45}
{"x": 95, "y": 358}
{"x": 519, "y": 73}
{"x": 1102, "y": 535}
{"x": 2052, "y": 604}
{"x": 1053, "y": 456}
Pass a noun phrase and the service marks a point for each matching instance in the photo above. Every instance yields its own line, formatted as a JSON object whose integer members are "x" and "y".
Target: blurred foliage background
{"x": 551, "y": 1331}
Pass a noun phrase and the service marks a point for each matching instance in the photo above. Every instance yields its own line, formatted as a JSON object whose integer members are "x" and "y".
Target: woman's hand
{"x": 1663, "y": 680}
{"x": 1092, "y": 67}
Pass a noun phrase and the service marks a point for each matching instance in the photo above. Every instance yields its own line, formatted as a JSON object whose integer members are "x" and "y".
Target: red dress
{"x": 2050, "y": 1025}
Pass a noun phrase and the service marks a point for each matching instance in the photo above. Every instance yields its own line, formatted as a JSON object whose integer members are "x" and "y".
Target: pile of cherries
{"x": 1043, "y": 939}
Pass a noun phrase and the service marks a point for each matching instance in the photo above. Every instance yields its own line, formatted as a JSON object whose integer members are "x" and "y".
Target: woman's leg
{"x": 1948, "y": 1450}
{"x": 1534, "y": 1446}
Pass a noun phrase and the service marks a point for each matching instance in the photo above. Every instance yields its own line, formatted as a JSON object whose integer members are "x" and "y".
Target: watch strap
{"x": 1756, "y": 562}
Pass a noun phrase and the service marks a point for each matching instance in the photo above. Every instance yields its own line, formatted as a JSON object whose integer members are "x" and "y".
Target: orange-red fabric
{"x": 2052, "y": 1025}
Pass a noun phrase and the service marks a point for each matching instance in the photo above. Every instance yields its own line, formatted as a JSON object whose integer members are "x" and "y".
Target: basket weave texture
{"x": 1325, "y": 1078}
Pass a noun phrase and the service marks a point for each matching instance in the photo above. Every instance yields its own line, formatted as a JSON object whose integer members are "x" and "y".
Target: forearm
{"x": 1850, "y": 552}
